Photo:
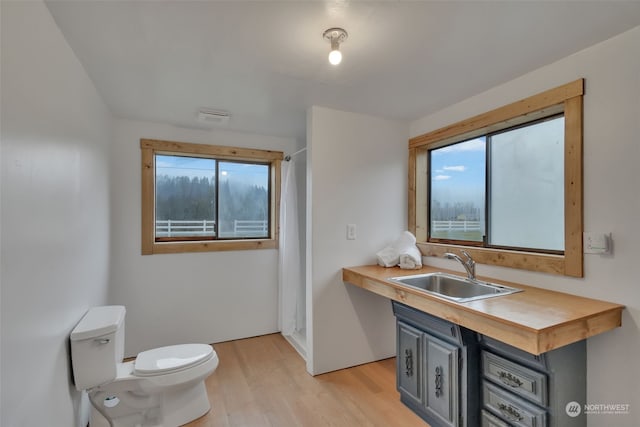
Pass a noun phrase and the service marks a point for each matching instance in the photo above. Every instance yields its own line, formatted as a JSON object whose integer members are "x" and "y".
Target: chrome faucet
{"x": 468, "y": 263}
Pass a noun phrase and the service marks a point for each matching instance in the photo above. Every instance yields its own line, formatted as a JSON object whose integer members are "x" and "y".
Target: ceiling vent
{"x": 215, "y": 117}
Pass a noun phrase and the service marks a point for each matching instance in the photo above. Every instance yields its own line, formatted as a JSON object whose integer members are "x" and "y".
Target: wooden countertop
{"x": 535, "y": 320}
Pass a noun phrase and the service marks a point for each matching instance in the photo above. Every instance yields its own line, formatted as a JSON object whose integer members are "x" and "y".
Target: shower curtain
{"x": 289, "y": 254}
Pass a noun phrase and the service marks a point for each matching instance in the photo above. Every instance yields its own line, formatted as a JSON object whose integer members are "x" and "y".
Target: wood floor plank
{"x": 263, "y": 382}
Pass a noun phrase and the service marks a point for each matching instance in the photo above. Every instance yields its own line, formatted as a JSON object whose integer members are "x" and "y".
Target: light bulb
{"x": 335, "y": 57}
{"x": 335, "y": 36}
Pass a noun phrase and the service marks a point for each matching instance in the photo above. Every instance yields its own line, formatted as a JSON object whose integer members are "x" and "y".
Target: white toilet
{"x": 163, "y": 387}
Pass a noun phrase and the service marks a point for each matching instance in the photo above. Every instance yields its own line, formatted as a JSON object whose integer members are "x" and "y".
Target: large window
{"x": 505, "y": 185}
{"x": 504, "y": 189}
{"x": 203, "y": 197}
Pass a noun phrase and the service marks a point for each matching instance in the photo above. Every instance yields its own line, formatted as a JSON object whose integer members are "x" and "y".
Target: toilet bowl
{"x": 162, "y": 387}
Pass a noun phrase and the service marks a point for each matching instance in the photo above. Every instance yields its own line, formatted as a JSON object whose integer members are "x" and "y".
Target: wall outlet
{"x": 351, "y": 232}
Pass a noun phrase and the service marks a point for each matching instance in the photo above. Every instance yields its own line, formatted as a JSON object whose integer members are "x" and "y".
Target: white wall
{"x": 357, "y": 175}
{"x": 55, "y": 215}
{"x": 611, "y": 203}
{"x": 192, "y": 297}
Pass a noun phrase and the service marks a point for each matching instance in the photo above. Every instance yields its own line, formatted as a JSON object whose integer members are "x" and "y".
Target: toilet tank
{"x": 97, "y": 346}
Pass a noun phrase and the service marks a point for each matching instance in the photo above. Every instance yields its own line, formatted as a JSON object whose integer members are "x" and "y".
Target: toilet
{"x": 162, "y": 387}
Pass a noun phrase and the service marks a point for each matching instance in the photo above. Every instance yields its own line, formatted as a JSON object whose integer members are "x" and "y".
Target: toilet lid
{"x": 164, "y": 360}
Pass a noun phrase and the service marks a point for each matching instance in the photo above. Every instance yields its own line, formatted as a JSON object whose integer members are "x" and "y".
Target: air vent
{"x": 218, "y": 117}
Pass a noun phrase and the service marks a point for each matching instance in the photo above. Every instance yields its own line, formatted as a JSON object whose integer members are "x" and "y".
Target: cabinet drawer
{"x": 489, "y": 420}
{"x": 516, "y": 378}
{"x": 512, "y": 408}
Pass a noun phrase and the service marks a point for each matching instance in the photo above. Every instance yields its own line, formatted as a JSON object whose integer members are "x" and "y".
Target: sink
{"x": 454, "y": 288}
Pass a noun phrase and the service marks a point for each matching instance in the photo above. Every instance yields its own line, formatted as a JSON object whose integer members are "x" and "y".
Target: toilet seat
{"x": 170, "y": 359}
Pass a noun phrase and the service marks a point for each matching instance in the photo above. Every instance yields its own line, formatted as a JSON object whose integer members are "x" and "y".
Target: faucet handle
{"x": 469, "y": 264}
{"x": 467, "y": 256}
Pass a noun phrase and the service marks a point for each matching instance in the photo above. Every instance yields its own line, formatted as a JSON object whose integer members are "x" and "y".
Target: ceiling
{"x": 266, "y": 61}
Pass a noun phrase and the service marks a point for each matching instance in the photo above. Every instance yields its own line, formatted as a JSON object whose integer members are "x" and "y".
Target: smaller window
{"x": 207, "y": 198}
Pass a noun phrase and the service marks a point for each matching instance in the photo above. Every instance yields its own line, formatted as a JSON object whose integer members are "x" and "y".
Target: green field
{"x": 475, "y": 236}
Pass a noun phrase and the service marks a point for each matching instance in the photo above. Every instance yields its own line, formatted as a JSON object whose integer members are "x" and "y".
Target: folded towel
{"x": 404, "y": 245}
{"x": 410, "y": 259}
{"x": 388, "y": 257}
{"x": 406, "y": 240}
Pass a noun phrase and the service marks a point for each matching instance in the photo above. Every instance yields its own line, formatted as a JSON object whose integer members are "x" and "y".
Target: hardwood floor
{"x": 262, "y": 381}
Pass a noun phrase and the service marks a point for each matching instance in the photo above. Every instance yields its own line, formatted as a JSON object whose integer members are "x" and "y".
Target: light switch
{"x": 596, "y": 243}
{"x": 351, "y": 232}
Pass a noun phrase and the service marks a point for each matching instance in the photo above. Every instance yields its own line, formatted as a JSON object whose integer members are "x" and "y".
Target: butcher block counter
{"x": 535, "y": 320}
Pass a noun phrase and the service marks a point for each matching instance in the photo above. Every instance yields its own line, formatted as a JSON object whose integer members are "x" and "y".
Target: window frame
{"x": 566, "y": 99}
{"x": 150, "y": 147}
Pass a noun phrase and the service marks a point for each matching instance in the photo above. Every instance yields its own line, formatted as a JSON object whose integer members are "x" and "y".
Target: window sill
{"x": 208, "y": 246}
{"x": 544, "y": 263}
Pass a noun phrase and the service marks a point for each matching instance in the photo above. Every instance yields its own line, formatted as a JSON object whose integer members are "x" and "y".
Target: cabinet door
{"x": 408, "y": 362}
{"x": 441, "y": 380}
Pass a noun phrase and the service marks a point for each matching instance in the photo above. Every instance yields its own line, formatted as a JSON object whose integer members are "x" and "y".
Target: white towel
{"x": 405, "y": 244}
{"x": 388, "y": 257}
{"x": 406, "y": 240}
{"x": 410, "y": 259}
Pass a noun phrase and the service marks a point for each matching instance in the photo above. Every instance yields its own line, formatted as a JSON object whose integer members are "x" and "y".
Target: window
{"x": 505, "y": 185}
{"x": 504, "y": 189}
{"x": 206, "y": 198}
{"x": 457, "y": 196}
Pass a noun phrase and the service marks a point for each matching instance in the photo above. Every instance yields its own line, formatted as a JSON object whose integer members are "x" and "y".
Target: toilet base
{"x": 171, "y": 409}
{"x": 184, "y": 406}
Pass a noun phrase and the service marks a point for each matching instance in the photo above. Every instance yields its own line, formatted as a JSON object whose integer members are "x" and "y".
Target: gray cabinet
{"x": 488, "y": 420}
{"x": 516, "y": 411}
{"x": 437, "y": 368}
{"x": 441, "y": 383}
{"x": 452, "y": 377}
{"x": 408, "y": 362}
{"x": 522, "y": 389}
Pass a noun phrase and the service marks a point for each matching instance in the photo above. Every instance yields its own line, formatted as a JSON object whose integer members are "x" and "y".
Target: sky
{"x": 251, "y": 174}
{"x": 458, "y": 172}
{"x": 528, "y": 165}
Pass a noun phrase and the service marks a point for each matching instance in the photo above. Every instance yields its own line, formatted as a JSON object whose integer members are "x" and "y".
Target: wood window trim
{"x": 567, "y": 98}
{"x": 149, "y": 147}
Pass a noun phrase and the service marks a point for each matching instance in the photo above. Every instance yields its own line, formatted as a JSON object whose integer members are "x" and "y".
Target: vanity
{"x": 513, "y": 360}
{"x": 436, "y": 366}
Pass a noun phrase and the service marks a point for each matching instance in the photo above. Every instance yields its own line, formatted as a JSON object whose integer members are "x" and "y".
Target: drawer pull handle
{"x": 510, "y": 412}
{"x": 408, "y": 362}
{"x": 510, "y": 379}
{"x": 439, "y": 381}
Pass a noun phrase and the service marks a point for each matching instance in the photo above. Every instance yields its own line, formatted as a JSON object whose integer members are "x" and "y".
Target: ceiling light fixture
{"x": 335, "y": 36}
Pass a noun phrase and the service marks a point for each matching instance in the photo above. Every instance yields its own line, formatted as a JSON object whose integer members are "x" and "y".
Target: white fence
{"x": 250, "y": 228}
{"x": 456, "y": 226}
{"x": 181, "y": 228}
